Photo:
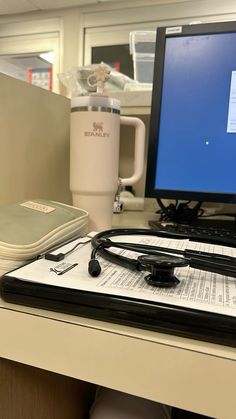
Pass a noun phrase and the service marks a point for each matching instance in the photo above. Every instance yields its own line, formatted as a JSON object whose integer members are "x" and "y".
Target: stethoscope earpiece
{"x": 162, "y": 269}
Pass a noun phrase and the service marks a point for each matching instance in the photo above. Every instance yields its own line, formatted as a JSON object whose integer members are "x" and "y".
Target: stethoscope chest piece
{"x": 162, "y": 269}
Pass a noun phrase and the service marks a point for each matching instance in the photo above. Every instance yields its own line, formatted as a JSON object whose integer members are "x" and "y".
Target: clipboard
{"x": 124, "y": 308}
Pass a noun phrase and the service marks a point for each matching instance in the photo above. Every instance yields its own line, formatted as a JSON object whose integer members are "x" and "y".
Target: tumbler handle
{"x": 139, "y": 149}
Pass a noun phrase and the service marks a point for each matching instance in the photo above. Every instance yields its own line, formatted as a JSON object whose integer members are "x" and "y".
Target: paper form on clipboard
{"x": 198, "y": 289}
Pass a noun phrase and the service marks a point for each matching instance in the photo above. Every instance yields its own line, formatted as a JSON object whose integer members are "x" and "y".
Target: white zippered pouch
{"x": 30, "y": 228}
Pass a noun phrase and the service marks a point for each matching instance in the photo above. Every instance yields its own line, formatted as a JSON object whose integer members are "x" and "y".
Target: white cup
{"x": 94, "y": 156}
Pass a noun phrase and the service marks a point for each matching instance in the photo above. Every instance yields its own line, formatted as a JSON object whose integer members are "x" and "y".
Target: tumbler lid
{"x": 95, "y": 103}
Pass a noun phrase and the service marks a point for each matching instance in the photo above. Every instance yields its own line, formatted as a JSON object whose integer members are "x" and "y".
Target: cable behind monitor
{"x": 179, "y": 212}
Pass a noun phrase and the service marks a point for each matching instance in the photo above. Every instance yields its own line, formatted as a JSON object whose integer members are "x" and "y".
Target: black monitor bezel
{"x": 162, "y": 35}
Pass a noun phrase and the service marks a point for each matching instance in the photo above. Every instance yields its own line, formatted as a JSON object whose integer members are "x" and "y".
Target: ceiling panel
{"x": 57, "y": 4}
{"x": 23, "y": 6}
{"x": 15, "y": 6}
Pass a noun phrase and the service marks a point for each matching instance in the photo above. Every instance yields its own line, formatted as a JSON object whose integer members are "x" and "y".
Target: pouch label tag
{"x": 36, "y": 206}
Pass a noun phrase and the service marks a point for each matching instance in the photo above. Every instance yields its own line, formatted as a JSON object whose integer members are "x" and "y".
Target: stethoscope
{"x": 159, "y": 261}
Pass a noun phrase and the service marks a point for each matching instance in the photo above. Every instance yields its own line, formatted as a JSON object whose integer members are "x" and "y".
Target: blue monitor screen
{"x": 195, "y": 126}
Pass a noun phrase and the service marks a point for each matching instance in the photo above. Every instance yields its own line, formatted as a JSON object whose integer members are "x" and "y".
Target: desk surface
{"x": 193, "y": 375}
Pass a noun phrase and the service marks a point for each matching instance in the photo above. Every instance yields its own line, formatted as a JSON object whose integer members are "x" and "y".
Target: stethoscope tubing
{"x": 101, "y": 242}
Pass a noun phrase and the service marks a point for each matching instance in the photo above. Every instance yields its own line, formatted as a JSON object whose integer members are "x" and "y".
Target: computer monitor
{"x": 192, "y": 144}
